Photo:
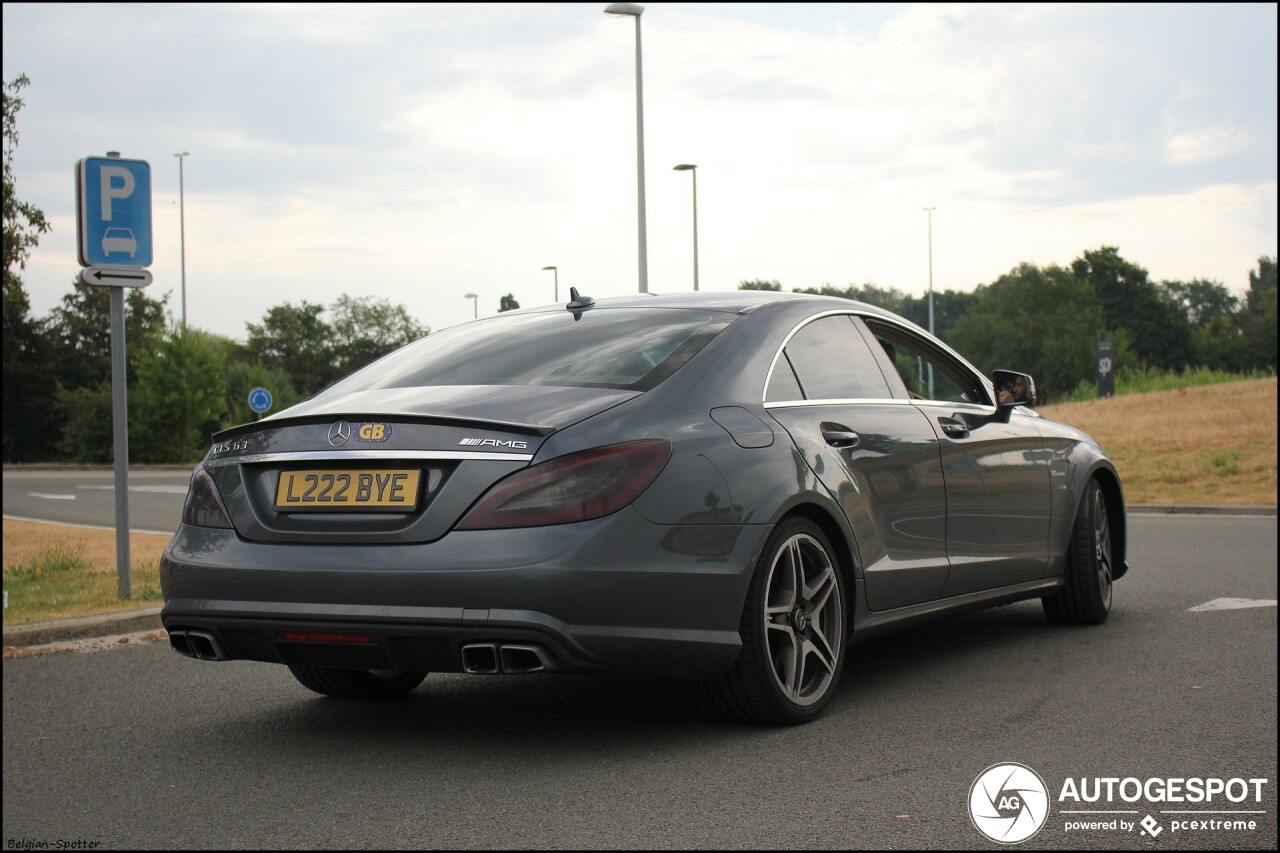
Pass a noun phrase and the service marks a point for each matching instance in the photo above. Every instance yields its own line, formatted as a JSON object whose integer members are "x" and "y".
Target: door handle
{"x": 953, "y": 428}
{"x": 838, "y": 435}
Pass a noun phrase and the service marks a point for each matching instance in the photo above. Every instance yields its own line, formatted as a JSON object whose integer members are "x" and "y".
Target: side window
{"x": 832, "y": 362}
{"x": 783, "y": 384}
{"x": 928, "y": 373}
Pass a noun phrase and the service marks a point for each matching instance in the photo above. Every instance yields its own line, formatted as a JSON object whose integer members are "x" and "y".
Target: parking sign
{"x": 113, "y": 212}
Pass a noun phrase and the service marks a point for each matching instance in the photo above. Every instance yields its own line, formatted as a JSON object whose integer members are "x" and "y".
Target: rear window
{"x": 631, "y": 349}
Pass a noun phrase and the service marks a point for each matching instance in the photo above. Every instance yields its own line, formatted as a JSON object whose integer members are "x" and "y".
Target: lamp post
{"x": 620, "y": 10}
{"x": 929, "y": 211}
{"x": 692, "y": 168}
{"x": 182, "y": 233}
{"x": 557, "y": 274}
{"x": 475, "y": 303}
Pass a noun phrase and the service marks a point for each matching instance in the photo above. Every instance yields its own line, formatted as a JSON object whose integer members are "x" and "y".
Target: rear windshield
{"x": 630, "y": 349}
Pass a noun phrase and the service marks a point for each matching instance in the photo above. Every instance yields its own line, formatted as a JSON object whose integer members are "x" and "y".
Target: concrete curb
{"x": 101, "y": 625}
{"x": 148, "y": 618}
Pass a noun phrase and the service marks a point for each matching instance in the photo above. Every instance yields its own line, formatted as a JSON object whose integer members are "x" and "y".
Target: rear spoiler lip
{"x": 540, "y": 430}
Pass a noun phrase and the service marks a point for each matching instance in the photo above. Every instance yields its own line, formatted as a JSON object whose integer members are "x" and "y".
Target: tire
{"x": 793, "y": 633}
{"x": 356, "y": 683}
{"x": 1086, "y": 597}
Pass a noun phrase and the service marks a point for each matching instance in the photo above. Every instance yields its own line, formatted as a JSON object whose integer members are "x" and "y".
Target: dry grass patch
{"x": 1212, "y": 444}
{"x": 52, "y": 571}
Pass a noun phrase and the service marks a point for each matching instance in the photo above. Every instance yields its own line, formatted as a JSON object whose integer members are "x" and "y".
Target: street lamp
{"x": 689, "y": 167}
{"x": 182, "y": 234}
{"x": 621, "y": 10}
{"x": 557, "y": 274}
{"x": 475, "y": 303}
{"x": 929, "y": 211}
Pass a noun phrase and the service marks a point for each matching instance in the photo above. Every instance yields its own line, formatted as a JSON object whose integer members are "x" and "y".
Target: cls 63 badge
{"x": 373, "y": 432}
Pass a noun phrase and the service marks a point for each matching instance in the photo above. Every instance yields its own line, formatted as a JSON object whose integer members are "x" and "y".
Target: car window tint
{"x": 783, "y": 384}
{"x": 626, "y": 349}
{"x": 919, "y": 364}
{"x": 833, "y": 362}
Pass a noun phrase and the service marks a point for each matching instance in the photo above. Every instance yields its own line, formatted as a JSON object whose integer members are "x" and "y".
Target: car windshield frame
{"x": 623, "y": 348}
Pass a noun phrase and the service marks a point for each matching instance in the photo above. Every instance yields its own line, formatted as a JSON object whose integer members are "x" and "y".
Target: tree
{"x": 1202, "y": 300}
{"x": 759, "y": 284}
{"x": 28, "y": 387}
{"x": 80, "y": 332}
{"x": 508, "y": 303}
{"x": 1041, "y": 321}
{"x": 295, "y": 340}
{"x": 1258, "y": 319}
{"x": 181, "y": 393}
{"x": 1156, "y": 324}
{"x": 241, "y": 378}
{"x": 368, "y": 328}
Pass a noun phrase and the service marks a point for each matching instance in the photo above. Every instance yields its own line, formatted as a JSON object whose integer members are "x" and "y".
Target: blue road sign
{"x": 259, "y": 400}
{"x": 114, "y": 212}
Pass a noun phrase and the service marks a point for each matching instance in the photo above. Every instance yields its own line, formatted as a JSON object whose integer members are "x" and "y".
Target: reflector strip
{"x": 316, "y": 637}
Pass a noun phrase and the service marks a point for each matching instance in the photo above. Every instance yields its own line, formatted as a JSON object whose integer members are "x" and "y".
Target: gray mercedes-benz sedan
{"x": 729, "y": 488}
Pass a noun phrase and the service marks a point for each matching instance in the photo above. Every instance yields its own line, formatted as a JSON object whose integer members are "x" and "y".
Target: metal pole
{"x": 120, "y": 440}
{"x": 182, "y": 232}
{"x": 695, "y": 227}
{"x": 644, "y": 249}
{"x": 930, "y": 211}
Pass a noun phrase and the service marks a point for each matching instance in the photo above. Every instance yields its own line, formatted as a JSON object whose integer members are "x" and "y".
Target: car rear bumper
{"x": 616, "y": 593}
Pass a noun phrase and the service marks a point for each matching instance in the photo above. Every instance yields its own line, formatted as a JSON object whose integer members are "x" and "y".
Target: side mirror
{"x": 1013, "y": 389}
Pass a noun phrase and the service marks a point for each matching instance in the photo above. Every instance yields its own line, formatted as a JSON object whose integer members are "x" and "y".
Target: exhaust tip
{"x": 178, "y": 642}
{"x": 205, "y": 646}
{"x": 518, "y": 659}
{"x": 480, "y": 658}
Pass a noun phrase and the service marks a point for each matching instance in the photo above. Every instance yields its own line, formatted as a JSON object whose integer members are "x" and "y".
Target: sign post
{"x": 113, "y": 225}
{"x": 1106, "y": 369}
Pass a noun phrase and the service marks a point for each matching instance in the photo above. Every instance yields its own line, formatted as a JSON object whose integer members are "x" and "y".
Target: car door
{"x": 877, "y": 455}
{"x": 996, "y": 471}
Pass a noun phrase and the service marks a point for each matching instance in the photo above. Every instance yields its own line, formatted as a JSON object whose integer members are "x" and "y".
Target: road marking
{"x": 1232, "y": 604}
{"x": 52, "y": 497}
{"x": 8, "y": 517}
{"x": 163, "y": 490}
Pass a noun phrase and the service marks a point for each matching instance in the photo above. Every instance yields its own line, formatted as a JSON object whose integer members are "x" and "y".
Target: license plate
{"x": 382, "y": 488}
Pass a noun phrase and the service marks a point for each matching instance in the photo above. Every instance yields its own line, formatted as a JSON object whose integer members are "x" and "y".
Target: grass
{"x": 53, "y": 571}
{"x": 1203, "y": 444}
{"x": 1143, "y": 381}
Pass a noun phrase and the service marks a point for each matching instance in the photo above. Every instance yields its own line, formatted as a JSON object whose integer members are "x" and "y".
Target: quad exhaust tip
{"x": 508, "y": 658}
{"x": 200, "y": 645}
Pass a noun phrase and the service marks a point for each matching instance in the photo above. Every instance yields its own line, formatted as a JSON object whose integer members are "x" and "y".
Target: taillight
{"x": 577, "y": 487}
{"x": 203, "y": 507}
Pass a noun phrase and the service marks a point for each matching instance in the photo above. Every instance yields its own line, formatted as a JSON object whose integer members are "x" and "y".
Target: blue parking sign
{"x": 113, "y": 212}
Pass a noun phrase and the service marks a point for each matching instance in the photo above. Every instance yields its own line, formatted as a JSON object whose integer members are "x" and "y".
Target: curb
{"x": 101, "y": 625}
{"x": 148, "y": 618}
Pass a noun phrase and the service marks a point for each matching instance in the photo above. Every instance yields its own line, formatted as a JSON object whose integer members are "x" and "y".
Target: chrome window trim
{"x": 859, "y": 401}
{"x": 351, "y": 455}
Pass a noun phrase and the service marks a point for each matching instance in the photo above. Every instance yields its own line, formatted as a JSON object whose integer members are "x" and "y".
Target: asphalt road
{"x": 136, "y": 747}
{"x": 77, "y": 496}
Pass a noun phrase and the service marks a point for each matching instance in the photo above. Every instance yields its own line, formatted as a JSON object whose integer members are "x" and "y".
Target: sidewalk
{"x": 148, "y": 618}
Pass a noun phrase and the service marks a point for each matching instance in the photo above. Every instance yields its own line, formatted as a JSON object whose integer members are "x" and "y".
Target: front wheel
{"x": 1086, "y": 597}
{"x": 356, "y": 683}
{"x": 793, "y": 633}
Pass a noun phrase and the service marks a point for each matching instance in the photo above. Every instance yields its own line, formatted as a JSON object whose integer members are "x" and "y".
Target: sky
{"x": 418, "y": 153}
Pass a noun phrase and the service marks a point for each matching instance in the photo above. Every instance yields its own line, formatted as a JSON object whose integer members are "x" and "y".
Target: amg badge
{"x": 493, "y": 442}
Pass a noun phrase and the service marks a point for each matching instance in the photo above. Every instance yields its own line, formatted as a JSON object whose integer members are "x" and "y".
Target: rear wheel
{"x": 356, "y": 683}
{"x": 1086, "y": 598}
{"x": 793, "y": 633}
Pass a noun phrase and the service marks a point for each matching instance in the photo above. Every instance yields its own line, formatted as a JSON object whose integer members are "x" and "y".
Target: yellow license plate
{"x": 382, "y": 488}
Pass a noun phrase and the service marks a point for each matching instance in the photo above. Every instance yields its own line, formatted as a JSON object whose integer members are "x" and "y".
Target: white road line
{"x": 8, "y": 517}
{"x": 1232, "y": 604}
{"x": 52, "y": 497}
{"x": 163, "y": 490}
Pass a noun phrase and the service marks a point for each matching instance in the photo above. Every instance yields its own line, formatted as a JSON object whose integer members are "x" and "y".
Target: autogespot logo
{"x": 1008, "y": 803}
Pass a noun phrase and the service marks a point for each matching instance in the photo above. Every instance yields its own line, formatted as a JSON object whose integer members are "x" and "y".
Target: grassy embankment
{"x": 1212, "y": 444}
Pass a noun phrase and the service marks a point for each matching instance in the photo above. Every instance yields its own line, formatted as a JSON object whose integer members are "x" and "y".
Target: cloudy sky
{"x": 421, "y": 152}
